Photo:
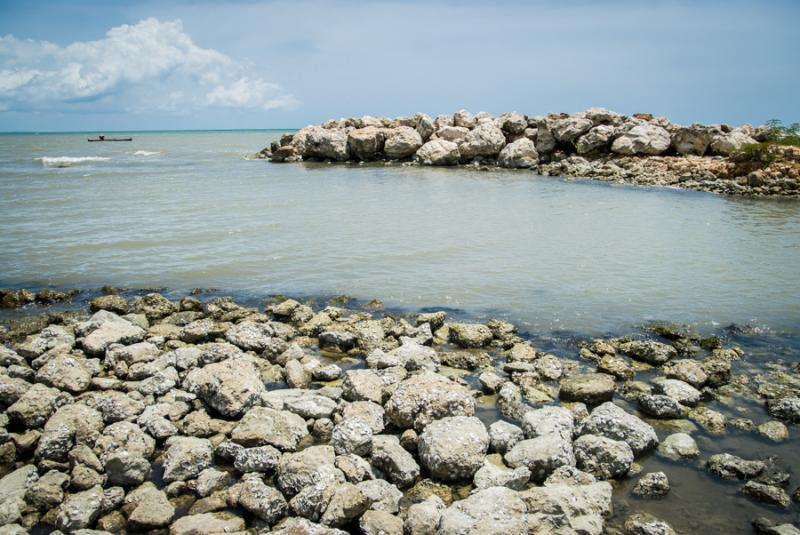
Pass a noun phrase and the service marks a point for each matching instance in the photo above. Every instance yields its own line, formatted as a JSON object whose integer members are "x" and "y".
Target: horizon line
{"x": 144, "y": 131}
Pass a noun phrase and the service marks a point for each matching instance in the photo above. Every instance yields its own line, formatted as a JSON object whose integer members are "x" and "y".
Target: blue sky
{"x": 172, "y": 65}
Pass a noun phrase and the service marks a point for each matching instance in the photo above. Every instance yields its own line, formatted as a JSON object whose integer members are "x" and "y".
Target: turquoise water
{"x": 190, "y": 209}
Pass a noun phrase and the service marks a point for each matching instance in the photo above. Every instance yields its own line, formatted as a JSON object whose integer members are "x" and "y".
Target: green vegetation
{"x": 777, "y": 134}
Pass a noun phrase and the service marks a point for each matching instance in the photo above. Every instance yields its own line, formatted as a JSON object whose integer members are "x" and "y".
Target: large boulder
{"x": 66, "y": 372}
{"x": 365, "y": 143}
{"x": 80, "y": 510}
{"x": 452, "y": 133}
{"x": 326, "y": 143}
{"x": 647, "y": 139}
{"x": 571, "y": 128}
{"x": 438, "y": 152}
{"x": 453, "y": 448}
{"x": 542, "y": 455}
{"x": 52, "y": 339}
{"x": 726, "y": 144}
{"x": 69, "y": 425}
{"x": 519, "y": 154}
{"x": 547, "y": 421}
{"x": 692, "y": 140}
{"x": 591, "y": 388}
{"x": 512, "y": 122}
{"x": 485, "y": 140}
{"x": 492, "y": 511}
{"x": 423, "y": 398}
{"x": 603, "y": 457}
{"x": 230, "y": 387}
{"x": 595, "y": 140}
{"x": 464, "y": 119}
{"x": 36, "y": 405}
{"x": 611, "y": 421}
{"x": 402, "y": 142}
{"x": 568, "y": 509}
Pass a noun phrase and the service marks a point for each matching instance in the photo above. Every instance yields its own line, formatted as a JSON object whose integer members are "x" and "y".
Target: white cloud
{"x": 151, "y": 65}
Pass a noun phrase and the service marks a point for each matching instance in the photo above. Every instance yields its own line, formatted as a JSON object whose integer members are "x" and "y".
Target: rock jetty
{"x": 597, "y": 143}
{"x": 185, "y": 417}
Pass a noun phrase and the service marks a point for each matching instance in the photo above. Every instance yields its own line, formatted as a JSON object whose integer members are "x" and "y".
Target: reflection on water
{"x": 550, "y": 254}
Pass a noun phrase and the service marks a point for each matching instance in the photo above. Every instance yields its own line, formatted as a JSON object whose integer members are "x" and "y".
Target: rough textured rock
{"x": 648, "y": 351}
{"x": 652, "y": 485}
{"x": 570, "y": 128}
{"x": 646, "y": 524}
{"x": 263, "y": 426}
{"x": 69, "y": 425}
{"x": 493, "y": 473}
{"x": 519, "y": 154}
{"x": 542, "y": 455}
{"x": 362, "y": 385}
{"x": 151, "y": 508}
{"x": 770, "y": 494}
{"x": 186, "y": 457}
{"x": 66, "y": 372}
{"x": 678, "y": 446}
{"x": 230, "y": 387}
{"x": 503, "y": 436}
{"x": 786, "y": 408}
{"x": 12, "y": 493}
{"x": 402, "y": 142}
{"x": 495, "y": 510}
{"x": 470, "y": 334}
{"x": 36, "y": 405}
{"x": 729, "y": 466}
{"x": 80, "y": 510}
{"x": 438, "y": 152}
{"x": 728, "y": 143}
{"x": 660, "y": 406}
{"x": 591, "y": 388}
{"x": 392, "y": 459}
{"x": 207, "y": 523}
{"x": 261, "y": 500}
{"x": 595, "y": 140}
{"x": 613, "y": 422}
{"x": 365, "y": 143}
{"x": 642, "y": 139}
{"x": 105, "y": 328}
{"x": 453, "y": 448}
{"x": 603, "y": 457}
{"x": 347, "y": 503}
{"x": 426, "y": 397}
{"x": 568, "y": 508}
{"x": 485, "y": 140}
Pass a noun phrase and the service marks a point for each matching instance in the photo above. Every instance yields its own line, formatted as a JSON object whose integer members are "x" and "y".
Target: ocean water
{"x": 189, "y": 209}
{"x": 566, "y": 260}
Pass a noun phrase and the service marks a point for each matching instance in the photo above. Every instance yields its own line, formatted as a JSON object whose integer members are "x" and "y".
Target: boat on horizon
{"x": 104, "y": 138}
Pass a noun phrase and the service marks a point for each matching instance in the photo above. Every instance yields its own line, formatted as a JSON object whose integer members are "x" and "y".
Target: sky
{"x": 169, "y": 64}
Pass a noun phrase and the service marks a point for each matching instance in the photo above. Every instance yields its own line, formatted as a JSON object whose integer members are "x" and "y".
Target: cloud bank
{"x": 145, "y": 67}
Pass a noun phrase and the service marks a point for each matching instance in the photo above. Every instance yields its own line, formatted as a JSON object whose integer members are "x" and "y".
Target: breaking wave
{"x": 69, "y": 161}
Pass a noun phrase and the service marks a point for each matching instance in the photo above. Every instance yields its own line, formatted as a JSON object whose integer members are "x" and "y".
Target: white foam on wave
{"x": 146, "y": 153}
{"x": 69, "y": 161}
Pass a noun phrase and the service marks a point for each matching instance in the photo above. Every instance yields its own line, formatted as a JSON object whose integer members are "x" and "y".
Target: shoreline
{"x": 140, "y": 383}
{"x": 596, "y": 144}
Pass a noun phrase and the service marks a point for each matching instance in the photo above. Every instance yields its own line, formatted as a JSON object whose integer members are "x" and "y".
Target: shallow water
{"x": 564, "y": 260}
{"x": 185, "y": 209}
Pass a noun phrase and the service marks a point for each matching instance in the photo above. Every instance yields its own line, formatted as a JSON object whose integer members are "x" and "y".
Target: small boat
{"x": 104, "y": 138}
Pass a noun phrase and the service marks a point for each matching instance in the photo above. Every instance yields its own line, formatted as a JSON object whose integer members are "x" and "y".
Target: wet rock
{"x": 339, "y": 341}
{"x": 495, "y": 510}
{"x": 646, "y": 139}
{"x": 330, "y": 372}
{"x": 652, "y": 485}
{"x": 36, "y": 405}
{"x": 113, "y": 303}
{"x": 262, "y": 426}
{"x": 764, "y": 526}
{"x": 12, "y": 493}
{"x": 426, "y": 397}
{"x": 648, "y": 351}
{"x": 661, "y": 406}
{"x": 729, "y": 466}
{"x": 718, "y": 371}
{"x": 770, "y": 494}
{"x": 442, "y": 151}
{"x": 80, "y": 510}
{"x": 493, "y": 473}
{"x": 687, "y": 370}
{"x": 591, "y": 388}
{"x": 207, "y": 524}
{"x": 392, "y": 459}
{"x": 186, "y": 457}
{"x": 613, "y": 422}
{"x": 423, "y": 517}
{"x": 682, "y": 392}
{"x": 787, "y": 409}
{"x": 503, "y": 436}
{"x": 380, "y": 523}
{"x": 568, "y": 508}
{"x": 603, "y": 457}
{"x": 678, "y": 446}
{"x": 646, "y": 524}
{"x": 711, "y": 420}
{"x": 230, "y": 387}
{"x": 616, "y": 366}
{"x": 469, "y": 335}
{"x": 151, "y": 508}
{"x": 453, "y": 448}
{"x": 105, "y": 328}
{"x": 542, "y": 455}
{"x": 774, "y": 430}
{"x": 347, "y": 503}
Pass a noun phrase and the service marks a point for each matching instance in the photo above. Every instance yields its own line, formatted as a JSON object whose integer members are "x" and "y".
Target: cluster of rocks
{"x": 12, "y": 298}
{"x": 596, "y": 143}
{"x": 202, "y": 418}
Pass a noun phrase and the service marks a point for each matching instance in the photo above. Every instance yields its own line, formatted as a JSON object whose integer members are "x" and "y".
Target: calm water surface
{"x": 566, "y": 260}
{"x": 187, "y": 209}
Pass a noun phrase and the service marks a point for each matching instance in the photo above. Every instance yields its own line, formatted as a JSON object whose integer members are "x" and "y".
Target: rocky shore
{"x": 192, "y": 418}
{"x": 598, "y": 144}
